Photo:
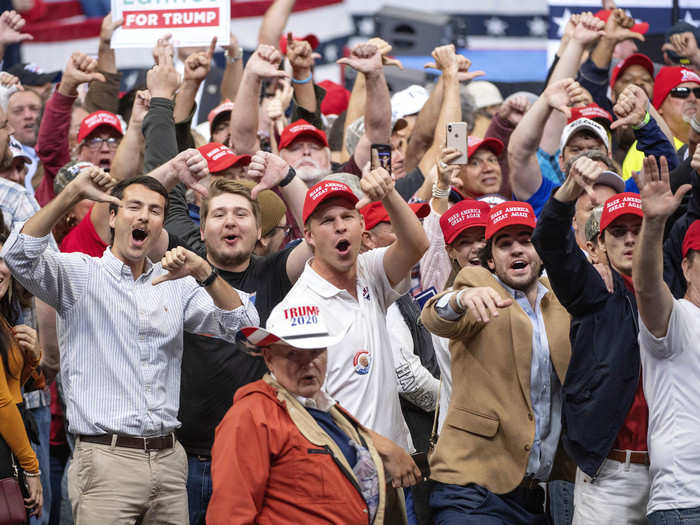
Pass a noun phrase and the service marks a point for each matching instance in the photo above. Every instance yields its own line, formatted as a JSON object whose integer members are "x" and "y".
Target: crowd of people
{"x": 240, "y": 311}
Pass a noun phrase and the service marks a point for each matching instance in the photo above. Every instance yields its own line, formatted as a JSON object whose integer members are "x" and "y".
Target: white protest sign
{"x": 191, "y": 22}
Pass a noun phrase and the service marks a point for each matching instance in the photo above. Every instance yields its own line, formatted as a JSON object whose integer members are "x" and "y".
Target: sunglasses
{"x": 621, "y": 231}
{"x": 684, "y": 92}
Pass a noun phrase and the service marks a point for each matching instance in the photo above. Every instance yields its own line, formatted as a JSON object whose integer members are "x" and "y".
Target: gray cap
{"x": 350, "y": 179}
{"x": 592, "y": 227}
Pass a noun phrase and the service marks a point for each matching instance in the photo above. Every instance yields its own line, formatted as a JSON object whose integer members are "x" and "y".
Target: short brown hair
{"x": 221, "y": 185}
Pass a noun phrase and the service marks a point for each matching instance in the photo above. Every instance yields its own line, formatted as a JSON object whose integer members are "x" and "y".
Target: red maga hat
{"x": 336, "y": 100}
{"x": 96, "y": 120}
{"x": 220, "y": 157}
{"x": 375, "y": 212}
{"x": 475, "y": 143}
{"x": 467, "y": 213}
{"x": 636, "y": 59}
{"x": 300, "y": 128}
{"x": 691, "y": 240}
{"x": 627, "y": 203}
{"x": 640, "y": 27}
{"x": 591, "y": 111}
{"x": 510, "y": 213}
{"x": 322, "y": 191}
{"x": 668, "y": 78}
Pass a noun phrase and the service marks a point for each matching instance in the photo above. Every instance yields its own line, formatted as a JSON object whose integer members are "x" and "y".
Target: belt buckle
{"x": 146, "y": 448}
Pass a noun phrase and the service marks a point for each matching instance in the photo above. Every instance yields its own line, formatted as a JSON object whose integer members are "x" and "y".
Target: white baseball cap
{"x": 409, "y": 101}
{"x": 305, "y": 326}
{"x": 584, "y": 124}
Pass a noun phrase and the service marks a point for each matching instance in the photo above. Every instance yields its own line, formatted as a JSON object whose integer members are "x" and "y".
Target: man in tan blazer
{"x": 509, "y": 342}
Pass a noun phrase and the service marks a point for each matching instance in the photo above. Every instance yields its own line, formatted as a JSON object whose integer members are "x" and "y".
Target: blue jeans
{"x": 198, "y": 488}
{"x": 42, "y": 416}
{"x": 675, "y": 517}
{"x": 474, "y": 504}
{"x": 561, "y": 502}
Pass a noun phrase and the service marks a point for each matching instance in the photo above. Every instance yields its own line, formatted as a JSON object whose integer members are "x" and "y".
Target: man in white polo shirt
{"x": 669, "y": 341}
{"x": 360, "y": 287}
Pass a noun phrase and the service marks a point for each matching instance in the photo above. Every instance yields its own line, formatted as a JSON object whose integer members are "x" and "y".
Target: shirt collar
{"x": 324, "y": 401}
{"x": 317, "y": 283}
{"x": 119, "y": 269}
{"x": 517, "y": 294}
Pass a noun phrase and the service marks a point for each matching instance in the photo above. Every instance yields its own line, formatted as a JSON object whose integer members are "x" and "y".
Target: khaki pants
{"x": 116, "y": 485}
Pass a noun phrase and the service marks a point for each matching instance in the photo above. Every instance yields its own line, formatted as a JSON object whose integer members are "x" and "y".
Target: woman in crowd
{"x": 19, "y": 356}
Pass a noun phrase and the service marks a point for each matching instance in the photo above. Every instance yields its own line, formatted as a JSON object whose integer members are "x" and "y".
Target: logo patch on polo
{"x": 362, "y": 362}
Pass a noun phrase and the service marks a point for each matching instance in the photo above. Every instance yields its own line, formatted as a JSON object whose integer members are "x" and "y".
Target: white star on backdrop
{"x": 538, "y": 26}
{"x": 366, "y": 26}
{"x": 689, "y": 18}
{"x": 561, "y": 21}
{"x": 331, "y": 53}
{"x": 495, "y": 26}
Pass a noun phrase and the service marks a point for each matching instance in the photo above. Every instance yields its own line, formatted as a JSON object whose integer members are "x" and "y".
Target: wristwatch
{"x": 235, "y": 58}
{"x": 210, "y": 279}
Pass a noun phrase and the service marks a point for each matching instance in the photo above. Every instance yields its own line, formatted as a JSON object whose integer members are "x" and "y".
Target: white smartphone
{"x": 457, "y": 139}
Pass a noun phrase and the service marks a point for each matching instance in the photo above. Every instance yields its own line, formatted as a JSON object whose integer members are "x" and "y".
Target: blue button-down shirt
{"x": 120, "y": 338}
{"x": 545, "y": 389}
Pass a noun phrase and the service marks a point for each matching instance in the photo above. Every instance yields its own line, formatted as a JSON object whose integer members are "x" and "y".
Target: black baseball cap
{"x": 31, "y": 75}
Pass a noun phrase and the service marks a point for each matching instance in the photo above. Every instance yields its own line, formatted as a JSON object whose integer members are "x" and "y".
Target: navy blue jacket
{"x": 603, "y": 374}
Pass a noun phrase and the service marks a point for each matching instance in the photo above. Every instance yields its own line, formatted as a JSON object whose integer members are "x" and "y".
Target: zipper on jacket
{"x": 350, "y": 478}
{"x": 636, "y": 325}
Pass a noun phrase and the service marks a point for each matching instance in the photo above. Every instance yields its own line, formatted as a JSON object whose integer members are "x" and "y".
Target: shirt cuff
{"x": 244, "y": 315}
{"x": 444, "y": 307}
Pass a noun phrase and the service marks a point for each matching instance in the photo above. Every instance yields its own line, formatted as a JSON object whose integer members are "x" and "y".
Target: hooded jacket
{"x": 272, "y": 463}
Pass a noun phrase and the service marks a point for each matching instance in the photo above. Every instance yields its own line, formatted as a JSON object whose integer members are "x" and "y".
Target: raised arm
{"x": 271, "y": 170}
{"x": 300, "y": 56}
{"x": 654, "y": 299}
{"x": 11, "y": 25}
{"x": 127, "y": 162}
{"x": 233, "y": 70}
{"x": 367, "y": 59}
{"x": 525, "y": 175}
{"x": 105, "y": 95}
{"x": 262, "y": 64}
{"x": 52, "y": 140}
{"x": 197, "y": 66}
{"x": 617, "y": 28}
{"x": 274, "y": 22}
{"x": 411, "y": 242}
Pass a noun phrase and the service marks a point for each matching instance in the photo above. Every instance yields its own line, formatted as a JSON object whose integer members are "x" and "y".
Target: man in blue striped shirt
{"x": 120, "y": 326}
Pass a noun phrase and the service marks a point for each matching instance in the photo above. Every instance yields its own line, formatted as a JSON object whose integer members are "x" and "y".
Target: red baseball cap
{"x": 217, "y": 111}
{"x": 220, "y": 157}
{"x": 310, "y": 38}
{"x": 636, "y": 59}
{"x": 627, "y": 203}
{"x": 510, "y": 213}
{"x": 301, "y": 128}
{"x": 97, "y": 119}
{"x": 474, "y": 143}
{"x": 375, "y": 212}
{"x": 336, "y": 99}
{"x": 691, "y": 240}
{"x": 593, "y": 112}
{"x": 322, "y": 191}
{"x": 670, "y": 77}
{"x": 467, "y": 213}
{"x": 641, "y": 27}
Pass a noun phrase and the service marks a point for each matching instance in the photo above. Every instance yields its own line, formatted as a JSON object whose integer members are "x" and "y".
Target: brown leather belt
{"x": 141, "y": 443}
{"x": 638, "y": 458}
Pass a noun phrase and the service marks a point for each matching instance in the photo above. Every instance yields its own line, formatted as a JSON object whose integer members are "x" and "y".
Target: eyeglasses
{"x": 621, "y": 231}
{"x": 285, "y": 229}
{"x": 96, "y": 142}
{"x": 684, "y": 92}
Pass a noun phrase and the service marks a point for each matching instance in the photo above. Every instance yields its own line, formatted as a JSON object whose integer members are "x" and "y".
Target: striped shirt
{"x": 120, "y": 339}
